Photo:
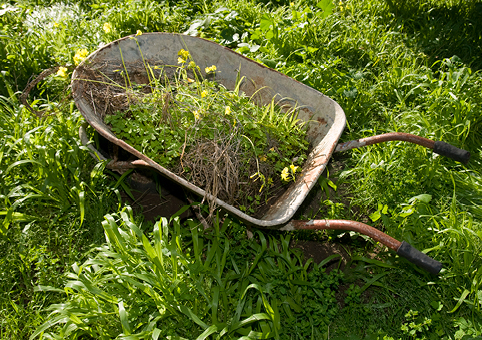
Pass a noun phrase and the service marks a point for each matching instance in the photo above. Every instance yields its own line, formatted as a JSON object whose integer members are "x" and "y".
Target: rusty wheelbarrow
{"x": 325, "y": 120}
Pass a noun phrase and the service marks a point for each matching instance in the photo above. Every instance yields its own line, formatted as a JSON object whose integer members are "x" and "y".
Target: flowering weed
{"x": 179, "y": 125}
{"x": 80, "y": 56}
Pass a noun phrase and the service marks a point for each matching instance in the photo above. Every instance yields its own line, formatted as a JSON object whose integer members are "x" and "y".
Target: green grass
{"x": 53, "y": 197}
{"x": 187, "y": 284}
{"x": 407, "y": 66}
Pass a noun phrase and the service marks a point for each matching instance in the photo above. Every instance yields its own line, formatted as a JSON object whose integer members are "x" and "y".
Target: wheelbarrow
{"x": 325, "y": 121}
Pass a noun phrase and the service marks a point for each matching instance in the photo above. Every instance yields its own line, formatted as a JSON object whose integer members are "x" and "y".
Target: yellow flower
{"x": 62, "y": 72}
{"x": 210, "y": 69}
{"x": 196, "y": 114}
{"x": 107, "y": 27}
{"x": 56, "y": 24}
{"x": 80, "y": 56}
{"x": 139, "y": 32}
{"x": 272, "y": 149}
{"x": 284, "y": 174}
{"x": 204, "y": 93}
{"x": 293, "y": 168}
{"x": 183, "y": 53}
{"x": 189, "y": 80}
{"x": 263, "y": 158}
{"x": 180, "y": 60}
{"x": 192, "y": 65}
{"x": 227, "y": 111}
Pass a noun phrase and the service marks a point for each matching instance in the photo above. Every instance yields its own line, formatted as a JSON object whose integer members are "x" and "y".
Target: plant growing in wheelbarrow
{"x": 217, "y": 139}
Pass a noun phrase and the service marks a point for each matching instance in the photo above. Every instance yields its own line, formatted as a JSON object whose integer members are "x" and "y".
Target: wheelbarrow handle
{"x": 401, "y": 248}
{"x": 420, "y": 259}
{"x": 450, "y": 151}
{"x": 438, "y": 147}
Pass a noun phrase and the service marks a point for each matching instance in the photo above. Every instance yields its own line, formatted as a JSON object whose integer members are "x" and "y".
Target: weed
{"x": 217, "y": 139}
{"x": 49, "y": 188}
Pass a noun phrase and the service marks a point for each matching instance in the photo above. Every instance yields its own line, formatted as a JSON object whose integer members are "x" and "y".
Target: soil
{"x": 151, "y": 203}
{"x": 319, "y": 251}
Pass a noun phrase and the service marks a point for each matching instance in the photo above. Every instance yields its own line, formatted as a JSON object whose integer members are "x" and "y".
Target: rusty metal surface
{"x": 325, "y": 118}
{"x": 362, "y": 228}
{"x": 400, "y": 136}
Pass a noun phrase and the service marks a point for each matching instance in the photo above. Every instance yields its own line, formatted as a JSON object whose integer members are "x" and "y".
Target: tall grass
{"x": 181, "y": 284}
{"x": 52, "y": 199}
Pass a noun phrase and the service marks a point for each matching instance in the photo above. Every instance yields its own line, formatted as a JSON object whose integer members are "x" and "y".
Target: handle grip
{"x": 451, "y": 151}
{"x": 420, "y": 259}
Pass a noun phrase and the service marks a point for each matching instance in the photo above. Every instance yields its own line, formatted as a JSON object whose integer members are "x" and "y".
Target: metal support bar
{"x": 438, "y": 147}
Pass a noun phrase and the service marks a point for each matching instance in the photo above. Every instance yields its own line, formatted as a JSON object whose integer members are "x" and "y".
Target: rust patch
{"x": 321, "y": 121}
{"x": 392, "y": 136}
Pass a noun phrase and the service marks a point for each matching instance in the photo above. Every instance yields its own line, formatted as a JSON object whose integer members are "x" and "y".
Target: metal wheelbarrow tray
{"x": 325, "y": 120}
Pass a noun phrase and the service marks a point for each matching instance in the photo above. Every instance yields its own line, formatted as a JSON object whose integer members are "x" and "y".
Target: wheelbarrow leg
{"x": 401, "y": 248}
{"x": 438, "y": 147}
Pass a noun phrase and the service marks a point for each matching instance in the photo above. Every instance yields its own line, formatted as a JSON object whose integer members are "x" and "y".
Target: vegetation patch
{"x": 406, "y": 66}
{"x": 217, "y": 139}
{"x": 180, "y": 283}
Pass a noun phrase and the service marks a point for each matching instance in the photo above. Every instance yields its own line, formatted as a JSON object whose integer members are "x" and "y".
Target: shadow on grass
{"x": 442, "y": 29}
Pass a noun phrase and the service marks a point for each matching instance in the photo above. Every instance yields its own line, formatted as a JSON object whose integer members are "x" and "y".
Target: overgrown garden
{"x": 76, "y": 263}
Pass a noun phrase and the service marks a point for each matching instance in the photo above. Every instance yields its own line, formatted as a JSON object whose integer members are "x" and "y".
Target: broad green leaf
{"x": 189, "y": 313}
{"x": 82, "y": 206}
{"x": 266, "y": 22}
{"x": 329, "y": 259}
{"x": 460, "y": 300}
{"x": 49, "y": 323}
{"x": 124, "y": 318}
{"x": 372, "y": 280}
{"x": 326, "y": 6}
{"x": 214, "y": 305}
{"x": 210, "y": 330}
{"x": 375, "y": 216}
{"x": 21, "y": 162}
{"x": 422, "y": 198}
{"x": 372, "y": 261}
{"x": 156, "y": 333}
{"x": 249, "y": 320}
